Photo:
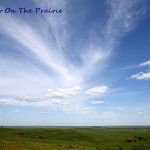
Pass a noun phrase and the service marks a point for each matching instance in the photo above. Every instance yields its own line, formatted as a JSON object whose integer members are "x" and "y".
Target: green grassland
{"x": 75, "y": 138}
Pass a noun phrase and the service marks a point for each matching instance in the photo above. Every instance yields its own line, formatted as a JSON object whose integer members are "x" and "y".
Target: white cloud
{"x": 97, "y": 102}
{"x": 141, "y": 76}
{"x": 17, "y": 110}
{"x": 95, "y": 91}
{"x": 147, "y": 63}
{"x": 65, "y": 93}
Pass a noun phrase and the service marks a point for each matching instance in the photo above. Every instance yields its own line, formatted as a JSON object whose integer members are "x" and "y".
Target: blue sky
{"x": 89, "y": 65}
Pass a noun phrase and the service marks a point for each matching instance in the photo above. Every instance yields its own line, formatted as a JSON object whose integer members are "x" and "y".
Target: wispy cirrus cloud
{"x": 49, "y": 66}
{"x": 123, "y": 17}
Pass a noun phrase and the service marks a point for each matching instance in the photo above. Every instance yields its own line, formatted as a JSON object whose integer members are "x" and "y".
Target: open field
{"x": 75, "y": 138}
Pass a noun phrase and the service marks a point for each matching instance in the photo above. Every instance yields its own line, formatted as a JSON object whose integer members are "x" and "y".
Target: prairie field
{"x": 75, "y": 138}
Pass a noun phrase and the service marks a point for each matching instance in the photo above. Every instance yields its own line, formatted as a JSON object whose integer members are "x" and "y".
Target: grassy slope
{"x": 74, "y": 138}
